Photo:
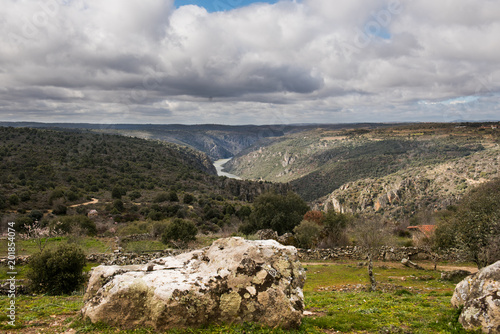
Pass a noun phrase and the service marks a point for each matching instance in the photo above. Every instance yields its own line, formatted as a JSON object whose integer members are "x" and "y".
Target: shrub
{"x": 57, "y": 271}
{"x": 36, "y": 215}
{"x": 172, "y": 196}
{"x": 75, "y": 224}
{"x": 179, "y": 232}
{"x": 59, "y": 209}
{"x": 134, "y": 195}
{"x": 161, "y": 197}
{"x": 307, "y": 233}
{"x": 22, "y": 223}
{"x": 118, "y": 192}
{"x": 315, "y": 216}
{"x": 188, "y": 199}
{"x": 13, "y": 200}
{"x": 277, "y": 212}
{"x": 118, "y": 205}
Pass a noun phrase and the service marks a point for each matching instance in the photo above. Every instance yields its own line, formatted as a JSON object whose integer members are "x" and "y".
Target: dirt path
{"x": 93, "y": 201}
{"x": 426, "y": 265}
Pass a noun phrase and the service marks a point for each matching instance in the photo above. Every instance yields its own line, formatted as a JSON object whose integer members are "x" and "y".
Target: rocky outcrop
{"x": 480, "y": 297}
{"x": 234, "y": 280}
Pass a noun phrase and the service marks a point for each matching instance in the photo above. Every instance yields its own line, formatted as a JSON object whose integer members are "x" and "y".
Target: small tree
{"x": 172, "y": 196}
{"x": 188, "y": 199}
{"x": 335, "y": 227}
{"x": 315, "y": 216}
{"x": 277, "y": 212}
{"x": 58, "y": 271}
{"x": 370, "y": 234}
{"x": 179, "y": 232}
{"x": 307, "y": 233}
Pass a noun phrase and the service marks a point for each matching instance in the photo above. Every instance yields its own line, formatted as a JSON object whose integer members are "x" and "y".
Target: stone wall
{"x": 306, "y": 255}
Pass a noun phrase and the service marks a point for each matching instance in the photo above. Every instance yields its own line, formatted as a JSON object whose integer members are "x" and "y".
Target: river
{"x": 219, "y": 166}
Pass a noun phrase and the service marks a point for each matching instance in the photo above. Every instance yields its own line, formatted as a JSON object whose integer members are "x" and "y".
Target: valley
{"x": 396, "y": 171}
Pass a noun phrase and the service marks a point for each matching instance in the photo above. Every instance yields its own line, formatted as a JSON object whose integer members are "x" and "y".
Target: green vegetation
{"x": 57, "y": 271}
{"x": 474, "y": 225}
{"x": 427, "y": 165}
{"x": 277, "y": 212}
{"x": 411, "y": 301}
{"x": 180, "y": 232}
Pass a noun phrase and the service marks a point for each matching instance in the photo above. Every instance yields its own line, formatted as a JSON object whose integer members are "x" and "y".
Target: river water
{"x": 219, "y": 165}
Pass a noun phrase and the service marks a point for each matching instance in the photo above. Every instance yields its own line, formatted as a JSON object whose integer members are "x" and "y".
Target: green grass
{"x": 89, "y": 244}
{"x": 405, "y": 304}
{"x": 143, "y": 246}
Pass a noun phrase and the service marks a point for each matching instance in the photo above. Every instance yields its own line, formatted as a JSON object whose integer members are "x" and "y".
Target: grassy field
{"x": 408, "y": 301}
{"x": 89, "y": 244}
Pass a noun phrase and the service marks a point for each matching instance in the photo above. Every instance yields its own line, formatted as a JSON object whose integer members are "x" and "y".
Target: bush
{"x": 161, "y": 197}
{"x": 118, "y": 192}
{"x": 334, "y": 232}
{"x": 75, "y": 224}
{"x": 134, "y": 195}
{"x": 13, "y": 200}
{"x": 59, "y": 209}
{"x": 277, "y": 212}
{"x": 180, "y": 232}
{"x": 22, "y": 223}
{"x": 188, "y": 199}
{"x": 57, "y": 271}
{"x": 307, "y": 234}
{"x": 172, "y": 196}
{"x": 118, "y": 205}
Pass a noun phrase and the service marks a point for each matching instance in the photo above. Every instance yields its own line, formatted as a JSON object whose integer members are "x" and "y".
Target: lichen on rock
{"x": 232, "y": 281}
{"x": 479, "y": 295}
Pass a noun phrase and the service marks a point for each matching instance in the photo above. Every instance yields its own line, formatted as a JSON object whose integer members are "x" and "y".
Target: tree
{"x": 315, "y": 216}
{"x": 179, "y": 232}
{"x": 188, "y": 199}
{"x": 474, "y": 227}
{"x": 277, "y": 212}
{"x": 335, "y": 226}
{"x": 172, "y": 196}
{"x": 307, "y": 233}
{"x": 370, "y": 234}
{"x": 118, "y": 192}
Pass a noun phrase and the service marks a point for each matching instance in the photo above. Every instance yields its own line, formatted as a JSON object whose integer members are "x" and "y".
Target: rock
{"x": 232, "y": 281}
{"x": 455, "y": 275}
{"x": 287, "y": 239}
{"x": 479, "y": 295}
{"x": 407, "y": 263}
{"x": 267, "y": 234}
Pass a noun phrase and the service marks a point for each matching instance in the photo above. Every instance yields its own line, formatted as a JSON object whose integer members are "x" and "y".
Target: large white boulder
{"x": 479, "y": 295}
{"x": 232, "y": 281}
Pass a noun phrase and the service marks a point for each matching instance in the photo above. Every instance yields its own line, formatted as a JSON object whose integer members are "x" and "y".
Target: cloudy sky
{"x": 247, "y": 62}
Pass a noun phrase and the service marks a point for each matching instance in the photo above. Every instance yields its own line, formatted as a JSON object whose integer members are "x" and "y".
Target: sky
{"x": 247, "y": 62}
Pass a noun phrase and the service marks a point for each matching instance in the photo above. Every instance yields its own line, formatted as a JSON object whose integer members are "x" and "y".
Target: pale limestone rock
{"x": 479, "y": 295}
{"x": 234, "y": 280}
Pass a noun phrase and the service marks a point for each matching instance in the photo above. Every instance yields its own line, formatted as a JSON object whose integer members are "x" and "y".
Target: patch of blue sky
{"x": 220, "y": 5}
{"x": 457, "y": 100}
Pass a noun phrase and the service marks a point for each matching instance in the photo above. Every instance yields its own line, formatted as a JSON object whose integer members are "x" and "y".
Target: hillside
{"x": 40, "y": 168}
{"x": 217, "y": 141}
{"x": 318, "y": 162}
{"x": 414, "y": 190}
